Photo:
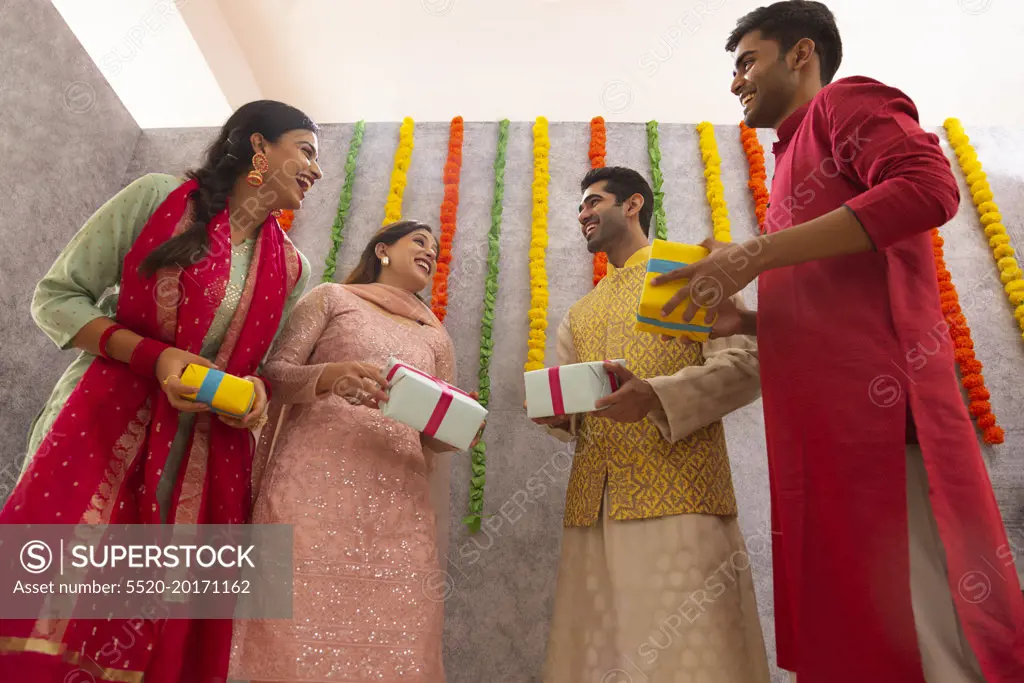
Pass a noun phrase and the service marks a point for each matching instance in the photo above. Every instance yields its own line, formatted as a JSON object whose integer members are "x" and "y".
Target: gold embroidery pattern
{"x": 123, "y": 457}
{"x": 98, "y": 512}
{"x": 169, "y": 291}
{"x": 169, "y": 294}
{"x": 227, "y": 346}
{"x": 191, "y": 496}
{"x": 646, "y": 475}
{"x": 292, "y": 263}
{"x": 89, "y": 669}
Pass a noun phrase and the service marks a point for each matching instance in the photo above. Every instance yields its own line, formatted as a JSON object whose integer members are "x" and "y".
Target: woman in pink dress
{"x": 357, "y": 486}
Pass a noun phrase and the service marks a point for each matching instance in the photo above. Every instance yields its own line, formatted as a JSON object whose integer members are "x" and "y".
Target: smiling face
{"x": 412, "y": 260}
{"x": 764, "y": 80}
{"x": 293, "y": 167}
{"x": 602, "y": 219}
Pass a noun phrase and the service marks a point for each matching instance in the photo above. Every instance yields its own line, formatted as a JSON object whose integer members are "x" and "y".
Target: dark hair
{"x": 791, "y": 21}
{"x": 227, "y": 158}
{"x": 367, "y": 271}
{"x": 624, "y": 183}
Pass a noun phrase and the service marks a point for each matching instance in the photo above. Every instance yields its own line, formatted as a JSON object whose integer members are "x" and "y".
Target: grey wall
{"x": 502, "y": 578}
{"x": 65, "y": 141}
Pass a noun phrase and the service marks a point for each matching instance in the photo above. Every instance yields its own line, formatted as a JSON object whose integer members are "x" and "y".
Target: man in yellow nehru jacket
{"x": 654, "y": 580}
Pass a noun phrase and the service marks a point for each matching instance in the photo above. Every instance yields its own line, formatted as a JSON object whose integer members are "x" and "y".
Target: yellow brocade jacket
{"x": 674, "y": 461}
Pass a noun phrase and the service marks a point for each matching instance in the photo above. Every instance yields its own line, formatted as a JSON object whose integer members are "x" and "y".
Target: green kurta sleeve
{"x": 68, "y": 296}
{"x": 296, "y": 293}
{"x": 289, "y": 304}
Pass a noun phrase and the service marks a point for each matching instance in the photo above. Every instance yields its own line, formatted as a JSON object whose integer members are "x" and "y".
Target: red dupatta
{"x": 105, "y": 453}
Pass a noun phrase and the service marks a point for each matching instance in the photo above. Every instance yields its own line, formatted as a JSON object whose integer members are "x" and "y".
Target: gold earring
{"x": 260, "y": 165}
{"x": 384, "y": 260}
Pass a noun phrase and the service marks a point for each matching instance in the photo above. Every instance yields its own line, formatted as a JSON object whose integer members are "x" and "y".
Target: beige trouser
{"x": 946, "y": 657}
{"x": 663, "y": 600}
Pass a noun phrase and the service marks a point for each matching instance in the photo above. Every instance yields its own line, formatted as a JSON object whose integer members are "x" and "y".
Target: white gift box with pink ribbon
{"x": 568, "y": 389}
{"x": 431, "y": 406}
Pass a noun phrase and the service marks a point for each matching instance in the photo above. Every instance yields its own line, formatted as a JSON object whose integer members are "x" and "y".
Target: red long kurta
{"x": 845, "y": 343}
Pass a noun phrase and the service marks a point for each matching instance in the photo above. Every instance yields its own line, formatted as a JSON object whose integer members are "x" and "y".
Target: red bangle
{"x": 145, "y": 355}
{"x": 105, "y": 337}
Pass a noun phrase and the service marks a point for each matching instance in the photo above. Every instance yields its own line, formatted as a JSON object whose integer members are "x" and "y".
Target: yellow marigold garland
{"x": 1010, "y": 272}
{"x": 403, "y": 156}
{"x": 713, "y": 176}
{"x": 538, "y": 247}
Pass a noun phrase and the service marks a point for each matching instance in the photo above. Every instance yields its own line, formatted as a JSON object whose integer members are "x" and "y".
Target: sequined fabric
{"x": 241, "y": 255}
{"x": 646, "y": 475}
{"x": 355, "y": 485}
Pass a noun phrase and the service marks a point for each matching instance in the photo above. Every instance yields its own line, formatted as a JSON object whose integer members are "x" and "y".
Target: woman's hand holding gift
{"x": 356, "y": 382}
{"x": 257, "y": 415}
{"x": 169, "y": 367}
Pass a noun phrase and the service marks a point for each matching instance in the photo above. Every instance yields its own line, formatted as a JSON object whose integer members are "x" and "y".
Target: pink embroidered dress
{"x": 366, "y": 499}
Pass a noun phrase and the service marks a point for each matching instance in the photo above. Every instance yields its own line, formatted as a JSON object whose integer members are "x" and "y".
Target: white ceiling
{"x": 190, "y": 62}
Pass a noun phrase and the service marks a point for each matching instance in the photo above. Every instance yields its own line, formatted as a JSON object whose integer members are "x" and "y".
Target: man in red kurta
{"x": 891, "y": 561}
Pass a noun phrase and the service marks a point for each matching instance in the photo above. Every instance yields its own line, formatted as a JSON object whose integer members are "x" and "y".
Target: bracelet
{"x": 105, "y": 338}
{"x": 145, "y": 355}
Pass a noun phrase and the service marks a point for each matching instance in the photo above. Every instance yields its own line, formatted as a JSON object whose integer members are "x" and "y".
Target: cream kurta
{"x": 669, "y": 598}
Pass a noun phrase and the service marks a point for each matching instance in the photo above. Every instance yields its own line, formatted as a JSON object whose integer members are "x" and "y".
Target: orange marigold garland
{"x": 449, "y": 206}
{"x": 758, "y": 174}
{"x": 285, "y": 219}
{"x": 598, "y": 138}
{"x": 970, "y": 366}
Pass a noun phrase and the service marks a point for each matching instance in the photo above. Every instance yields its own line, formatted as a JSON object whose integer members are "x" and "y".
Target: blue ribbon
{"x": 687, "y": 327}
{"x": 661, "y": 265}
{"x": 209, "y": 388}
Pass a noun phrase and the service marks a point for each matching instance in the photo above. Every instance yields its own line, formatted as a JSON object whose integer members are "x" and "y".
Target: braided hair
{"x": 227, "y": 158}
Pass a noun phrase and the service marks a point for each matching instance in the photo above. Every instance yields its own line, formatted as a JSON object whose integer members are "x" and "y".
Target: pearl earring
{"x": 384, "y": 260}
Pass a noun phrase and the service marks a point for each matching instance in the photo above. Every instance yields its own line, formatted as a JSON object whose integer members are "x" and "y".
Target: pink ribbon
{"x": 441, "y": 409}
{"x": 555, "y": 383}
{"x": 614, "y": 381}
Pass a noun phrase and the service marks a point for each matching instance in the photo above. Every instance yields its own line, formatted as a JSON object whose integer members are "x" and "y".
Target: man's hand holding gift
{"x": 633, "y": 400}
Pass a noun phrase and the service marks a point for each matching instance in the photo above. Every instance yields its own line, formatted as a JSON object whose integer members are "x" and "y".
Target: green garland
{"x": 479, "y": 458}
{"x": 345, "y": 203}
{"x": 654, "y": 151}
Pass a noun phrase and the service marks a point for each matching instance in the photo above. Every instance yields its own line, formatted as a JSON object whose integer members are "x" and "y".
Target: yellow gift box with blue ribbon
{"x": 225, "y": 394}
{"x": 666, "y": 257}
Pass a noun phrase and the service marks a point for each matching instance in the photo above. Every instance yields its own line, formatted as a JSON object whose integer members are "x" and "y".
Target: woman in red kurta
{"x": 891, "y": 561}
